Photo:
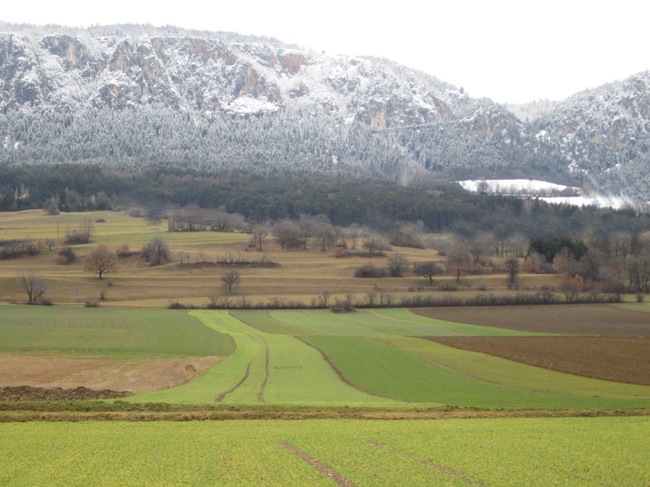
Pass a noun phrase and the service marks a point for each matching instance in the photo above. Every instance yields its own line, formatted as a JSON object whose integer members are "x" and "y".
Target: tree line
{"x": 441, "y": 206}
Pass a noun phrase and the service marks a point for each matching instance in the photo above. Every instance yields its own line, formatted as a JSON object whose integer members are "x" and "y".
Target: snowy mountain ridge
{"x": 221, "y": 100}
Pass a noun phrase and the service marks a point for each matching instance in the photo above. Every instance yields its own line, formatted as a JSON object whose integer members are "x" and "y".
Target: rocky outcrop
{"x": 396, "y": 112}
{"x": 291, "y": 63}
{"x": 399, "y": 115}
{"x": 69, "y": 49}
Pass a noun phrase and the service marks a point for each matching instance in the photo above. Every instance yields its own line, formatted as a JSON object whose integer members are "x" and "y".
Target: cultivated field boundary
{"x": 76, "y": 411}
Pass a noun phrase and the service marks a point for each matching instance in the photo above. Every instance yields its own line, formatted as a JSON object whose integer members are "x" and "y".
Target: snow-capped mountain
{"x": 138, "y": 96}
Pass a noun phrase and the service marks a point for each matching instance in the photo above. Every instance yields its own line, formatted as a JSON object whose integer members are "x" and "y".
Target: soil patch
{"x": 26, "y": 393}
{"x": 573, "y": 319}
{"x": 617, "y": 359}
{"x": 323, "y": 468}
{"x": 133, "y": 375}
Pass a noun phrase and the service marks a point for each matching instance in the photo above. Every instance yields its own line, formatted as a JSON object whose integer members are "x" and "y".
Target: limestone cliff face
{"x": 291, "y": 63}
{"x": 72, "y": 51}
{"x": 396, "y": 112}
{"x": 408, "y": 117}
{"x": 120, "y": 71}
{"x": 20, "y": 83}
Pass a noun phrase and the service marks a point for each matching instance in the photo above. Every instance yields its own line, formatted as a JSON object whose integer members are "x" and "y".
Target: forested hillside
{"x": 136, "y": 97}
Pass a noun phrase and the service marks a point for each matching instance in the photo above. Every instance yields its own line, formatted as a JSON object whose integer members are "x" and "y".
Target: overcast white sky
{"x": 510, "y": 51}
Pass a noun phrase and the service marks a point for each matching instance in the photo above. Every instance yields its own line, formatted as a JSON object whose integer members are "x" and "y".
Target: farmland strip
{"x": 446, "y": 470}
{"x": 338, "y": 372}
{"x": 323, "y": 468}
{"x": 224, "y": 394}
{"x": 260, "y": 395}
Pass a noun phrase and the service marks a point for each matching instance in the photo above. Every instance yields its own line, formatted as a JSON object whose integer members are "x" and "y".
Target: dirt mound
{"x": 27, "y": 393}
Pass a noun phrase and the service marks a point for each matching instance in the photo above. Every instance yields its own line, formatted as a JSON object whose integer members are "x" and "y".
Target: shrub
{"x": 91, "y": 303}
{"x": 123, "y": 251}
{"x": 67, "y": 255}
{"x": 156, "y": 252}
{"x": 342, "y": 306}
{"x": 81, "y": 235}
{"x": 449, "y": 286}
{"x": 397, "y": 264}
{"x": 369, "y": 270}
{"x": 340, "y": 252}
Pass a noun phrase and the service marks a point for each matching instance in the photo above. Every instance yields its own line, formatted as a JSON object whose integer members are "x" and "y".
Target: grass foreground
{"x": 504, "y": 452}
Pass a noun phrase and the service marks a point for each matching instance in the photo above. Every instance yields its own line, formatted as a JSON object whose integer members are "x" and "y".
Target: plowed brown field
{"x": 573, "y": 319}
{"x": 618, "y": 359}
{"x": 131, "y": 375}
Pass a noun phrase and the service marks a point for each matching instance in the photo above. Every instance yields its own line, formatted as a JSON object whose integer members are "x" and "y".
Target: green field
{"x": 497, "y": 370}
{"x": 311, "y": 358}
{"x": 401, "y": 375}
{"x": 393, "y": 322}
{"x": 296, "y": 373}
{"x": 494, "y": 452}
{"x": 111, "y": 332}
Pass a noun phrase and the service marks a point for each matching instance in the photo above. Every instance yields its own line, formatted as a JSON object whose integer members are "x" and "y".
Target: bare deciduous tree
{"x": 101, "y": 261}
{"x": 512, "y": 268}
{"x": 32, "y": 283}
{"x": 458, "y": 260}
{"x": 259, "y": 232}
{"x": 230, "y": 279}
{"x": 287, "y": 233}
{"x": 324, "y": 297}
{"x": 397, "y": 264}
{"x": 325, "y": 236}
{"x": 427, "y": 269}
{"x": 77, "y": 290}
{"x": 374, "y": 245}
{"x": 354, "y": 230}
{"x": 570, "y": 286}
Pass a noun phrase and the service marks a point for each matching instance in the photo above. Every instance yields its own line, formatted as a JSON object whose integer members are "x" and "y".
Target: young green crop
{"x": 503, "y": 452}
{"x": 399, "y": 374}
{"x": 297, "y": 373}
{"x": 504, "y": 372}
{"x": 405, "y": 316}
{"x": 113, "y": 332}
{"x": 371, "y": 322}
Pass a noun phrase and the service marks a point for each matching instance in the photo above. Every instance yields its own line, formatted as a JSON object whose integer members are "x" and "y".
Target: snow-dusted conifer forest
{"x": 135, "y": 97}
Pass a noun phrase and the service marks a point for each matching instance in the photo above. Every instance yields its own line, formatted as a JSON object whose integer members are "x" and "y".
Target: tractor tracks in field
{"x": 337, "y": 371}
{"x": 440, "y": 468}
{"x": 323, "y": 468}
{"x": 260, "y": 395}
{"x": 224, "y": 394}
